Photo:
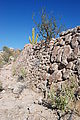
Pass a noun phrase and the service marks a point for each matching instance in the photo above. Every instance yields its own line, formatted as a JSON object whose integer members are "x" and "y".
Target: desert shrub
{"x": 13, "y": 71}
{"x": 48, "y": 27}
{"x": 1, "y": 62}
{"x": 6, "y": 53}
{"x": 23, "y": 72}
{"x": 6, "y": 49}
{"x": 6, "y": 57}
{"x": 61, "y": 99}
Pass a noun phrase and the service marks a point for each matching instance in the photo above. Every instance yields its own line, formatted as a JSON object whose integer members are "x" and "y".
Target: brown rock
{"x": 78, "y": 91}
{"x": 66, "y": 74}
{"x": 78, "y": 28}
{"x": 78, "y": 106}
{"x": 74, "y": 42}
{"x": 68, "y": 39}
{"x": 59, "y": 55}
{"x": 64, "y": 61}
{"x": 69, "y": 65}
{"x": 56, "y": 86}
{"x": 50, "y": 79}
{"x": 57, "y": 76}
{"x": 54, "y": 66}
{"x": 71, "y": 57}
{"x": 54, "y": 53}
{"x": 76, "y": 51}
{"x": 60, "y": 42}
{"x": 67, "y": 51}
{"x": 44, "y": 76}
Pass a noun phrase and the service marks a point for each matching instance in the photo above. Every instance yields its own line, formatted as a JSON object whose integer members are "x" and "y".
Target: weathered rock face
{"x": 53, "y": 62}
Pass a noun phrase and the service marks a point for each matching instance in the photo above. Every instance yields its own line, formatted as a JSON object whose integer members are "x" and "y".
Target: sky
{"x": 16, "y": 18}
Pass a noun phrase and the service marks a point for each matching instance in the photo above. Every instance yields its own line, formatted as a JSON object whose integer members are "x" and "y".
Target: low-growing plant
{"x": 23, "y": 72}
{"x": 1, "y": 88}
{"x": 61, "y": 99}
{"x": 1, "y": 62}
{"x": 13, "y": 71}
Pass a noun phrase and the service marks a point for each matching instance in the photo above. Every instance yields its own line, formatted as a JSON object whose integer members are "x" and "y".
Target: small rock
{"x": 54, "y": 67}
{"x": 57, "y": 76}
{"x": 74, "y": 42}
{"x": 54, "y": 53}
{"x": 66, "y": 74}
{"x": 3, "y": 91}
{"x": 69, "y": 65}
{"x": 76, "y": 51}
{"x": 40, "y": 100}
{"x": 60, "y": 51}
{"x": 67, "y": 51}
{"x": 64, "y": 61}
{"x": 68, "y": 39}
{"x": 18, "y": 88}
{"x": 62, "y": 33}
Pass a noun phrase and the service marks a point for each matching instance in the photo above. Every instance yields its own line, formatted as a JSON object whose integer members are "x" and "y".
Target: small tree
{"x": 48, "y": 27}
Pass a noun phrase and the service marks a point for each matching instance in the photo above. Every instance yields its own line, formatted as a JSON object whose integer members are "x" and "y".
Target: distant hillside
{"x": 8, "y": 54}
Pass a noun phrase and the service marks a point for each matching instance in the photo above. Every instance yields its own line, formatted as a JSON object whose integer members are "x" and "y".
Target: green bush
{"x": 63, "y": 98}
{"x": 23, "y": 72}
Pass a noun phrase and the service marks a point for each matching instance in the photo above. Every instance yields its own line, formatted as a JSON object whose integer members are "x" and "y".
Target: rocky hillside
{"x": 44, "y": 81}
{"x": 7, "y": 55}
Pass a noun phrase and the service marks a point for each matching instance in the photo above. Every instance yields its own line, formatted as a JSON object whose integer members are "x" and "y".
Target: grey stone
{"x": 18, "y": 88}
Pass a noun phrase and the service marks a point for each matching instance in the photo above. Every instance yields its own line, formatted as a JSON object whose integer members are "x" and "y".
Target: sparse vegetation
{"x": 23, "y": 72}
{"x": 7, "y": 55}
{"x": 13, "y": 71}
{"x": 63, "y": 98}
{"x": 48, "y": 27}
{"x": 34, "y": 41}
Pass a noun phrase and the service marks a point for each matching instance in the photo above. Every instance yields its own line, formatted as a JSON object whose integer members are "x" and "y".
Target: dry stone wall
{"x": 55, "y": 61}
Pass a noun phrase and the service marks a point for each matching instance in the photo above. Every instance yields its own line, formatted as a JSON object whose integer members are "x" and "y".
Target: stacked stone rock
{"x": 54, "y": 61}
